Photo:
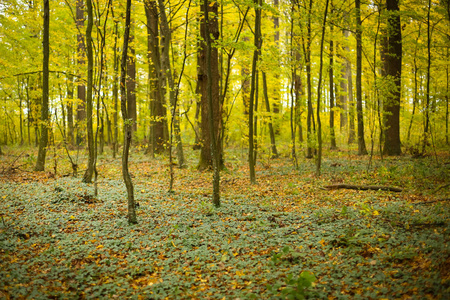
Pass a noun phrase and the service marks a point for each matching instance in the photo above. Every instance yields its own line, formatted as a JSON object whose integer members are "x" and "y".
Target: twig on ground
{"x": 363, "y": 187}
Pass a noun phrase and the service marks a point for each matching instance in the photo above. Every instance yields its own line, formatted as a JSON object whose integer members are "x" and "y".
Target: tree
{"x": 393, "y": 69}
{"x": 40, "y": 162}
{"x": 319, "y": 85}
{"x": 127, "y": 122}
{"x": 87, "y": 177}
{"x": 331, "y": 77}
{"x": 359, "y": 109}
{"x": 158, "y": 120}
{"x": 215, "y": 156}
{"x": 212, "y": 30}
{"x": 131, "y": 79}
{"x": 81, "y": 87}
{"x": 256, "y": 52}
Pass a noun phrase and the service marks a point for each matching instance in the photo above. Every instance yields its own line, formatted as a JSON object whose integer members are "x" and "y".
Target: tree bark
{"x": 310, "y": 114}
{"x": 319, "y": 92}
{"x": 81, "y": 88}
{"x": 87, "y": 177}
{"x": 127, "y": 131}
{"x": 40, "y": 162}
{"x": 393, "y": 69}
{"x": 131, "y": 79}
{"x": 359, "y": 109}
{"x": 257, "y": 43}
{"x": 331, "y": 78}
{"x": 212, "y": 28}
{"x": 212, "y": 130}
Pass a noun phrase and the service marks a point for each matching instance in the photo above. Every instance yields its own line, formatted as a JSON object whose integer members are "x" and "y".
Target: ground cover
{"x": 287, "y": 237}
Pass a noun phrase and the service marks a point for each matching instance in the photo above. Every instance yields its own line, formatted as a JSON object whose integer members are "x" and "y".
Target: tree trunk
{"x": 319, "y": 92}
{"x": 131, "y": 80}
{"x": 393, "y": 69}
{"x": 87, "y": 177}
{"x": 69, "y": 109}
{"x": 359, "y": 109}
{"x": 127, "y": 132}
{"x": 415, "y": 97}
{"x": 211, "y": 24}
{"x": 309, "y": 119}
{"x": 273, "y": 146}
{"x": 158, "y": 125}
{"x": 351, "y": 104}
{"x": 115, "y": 145}
{"x": 81, "y": 88}
{"x": 330, "y": 70}
{"x": 206, "y": 160}
{"x": 427, "y": 108}
{"x": 40, "y": 162}
{"x": 257, "y": 43}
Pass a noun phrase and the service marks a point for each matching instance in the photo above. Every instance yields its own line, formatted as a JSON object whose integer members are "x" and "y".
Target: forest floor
{"x": 286, "y": 237}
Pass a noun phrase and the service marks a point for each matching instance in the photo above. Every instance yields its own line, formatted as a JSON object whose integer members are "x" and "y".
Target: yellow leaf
{"x": 99, "y": 246}
{"x": 376, "y": 213}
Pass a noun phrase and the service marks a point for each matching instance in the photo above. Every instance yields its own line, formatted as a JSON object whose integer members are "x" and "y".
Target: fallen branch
{"x": 433, "y": 201}
{"x": 441, "y": 187}
{"x": 363, "y": 187}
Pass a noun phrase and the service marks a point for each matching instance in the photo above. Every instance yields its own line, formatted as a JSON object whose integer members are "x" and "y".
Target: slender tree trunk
{"x": 359, "y": 109}
{"x": 81, "y": 88}
{"x": 87, "y": 177}
{"x": 393, "y": 67}
{"x": 127, "y": 121}
{"x": 212, "y": 130}
{"x": 115, "y": 145}
{"x": 331, "y": 77}
{"x": 20, "y": 94}
{"x": 131, "y": 79}
{"x": 276, "y": 77}
{"x": 273, "y": 146}
{"x": 309, "y": 119}
{"x": 447, "y": 96}
{"x": 40, "y": 162}
{"x": 69, "y": 109}
{"x": 427, "y": 108}
{"x": 415, "y": 70}
{"x": 257, "y": 43}
{"x": 351, "y": 105}
{"x": 319, "y": 91}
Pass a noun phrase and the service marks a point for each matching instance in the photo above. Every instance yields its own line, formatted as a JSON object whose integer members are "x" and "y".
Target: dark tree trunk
{"x": 319, "y": 91}
{"x": 40, "y": 162}
{"x": 427, "y": 107}
{"x": 331, "y": 78}
{"x": 158, "y": 125}
{"x": 214, "y": 145}
{"x": 206, "y": 160}
{"x": 81, "y": 88}
{"x": 310, "y": 116}
{"x": 359, "y": 108}
{"x": 393, "y": 69}
{"x": 253, "y": 88}
{"x": 87, "y": 177}
{"x": 351, "y": 105}
{"x": 273, "y": 146}
{"x": 131, "y": 80}
{"x": 69, "y": 109}
{"x": 127, "y": 131}
{"x": 115, "y": 145}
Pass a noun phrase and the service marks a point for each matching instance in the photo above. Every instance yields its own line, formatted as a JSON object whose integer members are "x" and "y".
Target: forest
{"x": 184, "y": 149}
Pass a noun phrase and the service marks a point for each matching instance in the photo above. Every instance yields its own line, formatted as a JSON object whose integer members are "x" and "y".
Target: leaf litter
{"x": 283, "y": 238}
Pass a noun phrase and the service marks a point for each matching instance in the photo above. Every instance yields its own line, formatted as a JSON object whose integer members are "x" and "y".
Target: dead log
{"x": 363, "y": 187}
